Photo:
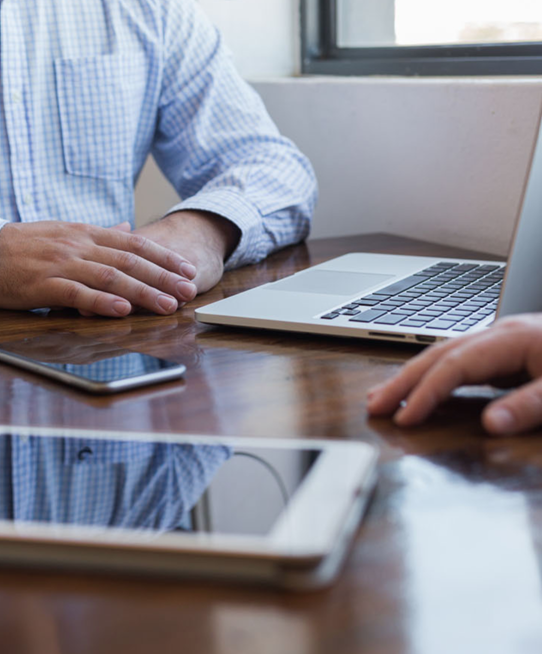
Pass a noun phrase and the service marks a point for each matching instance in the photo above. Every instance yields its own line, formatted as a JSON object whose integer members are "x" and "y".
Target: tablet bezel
{"x": 312, "y": 531}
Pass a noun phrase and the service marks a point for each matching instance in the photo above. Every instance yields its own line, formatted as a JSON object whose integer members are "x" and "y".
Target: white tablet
{"x": 279, "y": 512}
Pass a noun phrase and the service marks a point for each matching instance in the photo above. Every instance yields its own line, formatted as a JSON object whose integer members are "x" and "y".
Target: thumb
{"x": 517, "y": 411}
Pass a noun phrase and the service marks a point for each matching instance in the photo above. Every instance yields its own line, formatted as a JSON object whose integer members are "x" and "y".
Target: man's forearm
{"x": 210, "y": 229}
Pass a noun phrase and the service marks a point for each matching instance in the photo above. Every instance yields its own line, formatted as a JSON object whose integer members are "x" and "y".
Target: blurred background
{"x": 439, "y": 156}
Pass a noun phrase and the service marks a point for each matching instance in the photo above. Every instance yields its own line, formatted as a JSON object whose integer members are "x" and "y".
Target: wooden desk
{"x": 448, "y": 559}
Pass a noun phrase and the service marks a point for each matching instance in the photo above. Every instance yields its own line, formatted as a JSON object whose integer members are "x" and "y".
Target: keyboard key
{"x": 433, "y": 312}
{"x": 441, "y": 324}
{"x": 413, "y": 323}
{"x": 400, "y": 286}
{"x": 423, "y": 317}
{"x": 427, "y": 273}
{"x": 444, "y": 307}
{"x": 405, "y": 312}
{"x": 468, "y": 305}
{"x": 405, "y": 296}
{"x": 460, "y": 328}
{"x": 453, "y": 317}
{"x": 369, "y": 316}
{"x": 414, "y": 305}
{"x": 350, "y": 312}
{"x": 368, "y": 303}
{"x": 373, "y": 296}
{"x": 386, "y": 305}
{"x": 395, "y": 302}
{"x": 330, "y": 316}
{"x": 390, "y": 319}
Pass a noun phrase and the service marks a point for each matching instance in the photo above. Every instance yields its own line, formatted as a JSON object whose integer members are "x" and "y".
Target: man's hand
{"x": 96, "y": 270}
{"x": 513, "y": 345}
{"x": 204, "y": 238}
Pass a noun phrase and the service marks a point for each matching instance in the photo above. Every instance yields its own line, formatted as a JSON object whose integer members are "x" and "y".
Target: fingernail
{"x": 501, "y": 419}
{"x": 122, "y": 308}
{"x": 188, "y": 270}
{"x": 374, "y": 390}
{"x": 371, "y": 399}
{"x": 167, "y": 303}
{"x": 399, "y": 416}
{"x": 187, "y": 290}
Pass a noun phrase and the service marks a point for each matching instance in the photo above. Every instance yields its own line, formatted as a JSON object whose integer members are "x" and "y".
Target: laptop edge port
{"x": 425, "y": 339}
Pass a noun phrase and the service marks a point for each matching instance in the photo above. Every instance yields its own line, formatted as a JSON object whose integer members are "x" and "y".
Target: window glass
{"x": 369, "y": 23}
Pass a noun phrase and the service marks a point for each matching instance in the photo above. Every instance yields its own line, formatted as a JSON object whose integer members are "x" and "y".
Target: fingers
{"x": 386, "y": 397}
{"x": 146, "y": 249}
{"x": 115, "y": 282}
{"x": 79, "y": 296}
{"x": 519, "y": 411}
{"x": 139, "y": 269}
{"x": 432, "y": 377}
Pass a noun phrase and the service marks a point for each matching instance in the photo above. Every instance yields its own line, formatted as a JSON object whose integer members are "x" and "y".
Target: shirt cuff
{"x": 230, "y": 205}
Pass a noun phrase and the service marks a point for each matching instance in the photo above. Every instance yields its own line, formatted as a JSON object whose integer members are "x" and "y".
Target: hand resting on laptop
{"x": 511, "y": 346}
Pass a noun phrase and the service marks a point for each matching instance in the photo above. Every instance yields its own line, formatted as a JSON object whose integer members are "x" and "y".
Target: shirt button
{"x": 85, "y": 454}
{"x": 27, "y": 198}
{"x": 16, "y": 97}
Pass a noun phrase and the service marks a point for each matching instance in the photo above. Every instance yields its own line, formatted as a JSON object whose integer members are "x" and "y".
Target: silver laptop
{"x": 406, "y": 298}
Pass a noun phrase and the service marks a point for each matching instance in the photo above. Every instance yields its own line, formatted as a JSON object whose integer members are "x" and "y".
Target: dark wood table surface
{"x": 447, "y": 559}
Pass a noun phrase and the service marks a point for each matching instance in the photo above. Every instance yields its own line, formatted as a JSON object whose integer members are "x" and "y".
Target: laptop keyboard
{"x": 454, "y": 296}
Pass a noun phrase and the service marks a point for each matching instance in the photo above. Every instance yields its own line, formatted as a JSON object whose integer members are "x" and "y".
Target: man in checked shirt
{"x": 88, "y": 88}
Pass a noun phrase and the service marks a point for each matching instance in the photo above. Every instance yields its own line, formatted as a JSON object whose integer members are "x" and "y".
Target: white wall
{"x": 437, "y": 159}
{"x": 263, "y": 34}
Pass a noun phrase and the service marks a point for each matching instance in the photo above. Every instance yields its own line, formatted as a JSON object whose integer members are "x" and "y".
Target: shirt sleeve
{"x": 218, "y": 146}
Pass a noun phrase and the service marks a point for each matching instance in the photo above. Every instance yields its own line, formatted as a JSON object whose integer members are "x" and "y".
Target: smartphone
{"x": 90, "y": 365}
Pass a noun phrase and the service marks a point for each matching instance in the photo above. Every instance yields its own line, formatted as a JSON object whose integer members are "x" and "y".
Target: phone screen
{"x": 86, "y": 358}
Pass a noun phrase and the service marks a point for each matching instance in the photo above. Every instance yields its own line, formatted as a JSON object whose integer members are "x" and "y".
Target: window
{"x": 422, "y": 37}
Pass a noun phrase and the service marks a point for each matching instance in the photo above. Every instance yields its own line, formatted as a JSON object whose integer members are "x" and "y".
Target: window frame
{"x": 321, "y": 54}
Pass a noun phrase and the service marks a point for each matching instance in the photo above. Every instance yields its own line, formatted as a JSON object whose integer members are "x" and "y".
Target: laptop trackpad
{"x": 329, "y": 282}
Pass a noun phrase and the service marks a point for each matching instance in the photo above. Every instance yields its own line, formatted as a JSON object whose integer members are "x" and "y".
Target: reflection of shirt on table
{"x": 94, "y": 482}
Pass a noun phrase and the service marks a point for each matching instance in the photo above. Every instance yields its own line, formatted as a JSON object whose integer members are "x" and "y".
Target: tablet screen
{"x": 143, "y": 485}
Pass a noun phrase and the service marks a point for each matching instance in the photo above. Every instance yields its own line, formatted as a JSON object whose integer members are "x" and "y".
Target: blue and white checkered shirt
{"x": 88, "y": 88}
{"x": 85, "y": 481}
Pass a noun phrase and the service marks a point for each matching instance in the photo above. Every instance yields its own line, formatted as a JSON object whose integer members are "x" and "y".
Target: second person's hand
{"x": 511, "y": 346}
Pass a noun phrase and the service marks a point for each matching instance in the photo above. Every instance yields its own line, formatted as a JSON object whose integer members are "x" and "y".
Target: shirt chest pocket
{"x": 99, "y": 102}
